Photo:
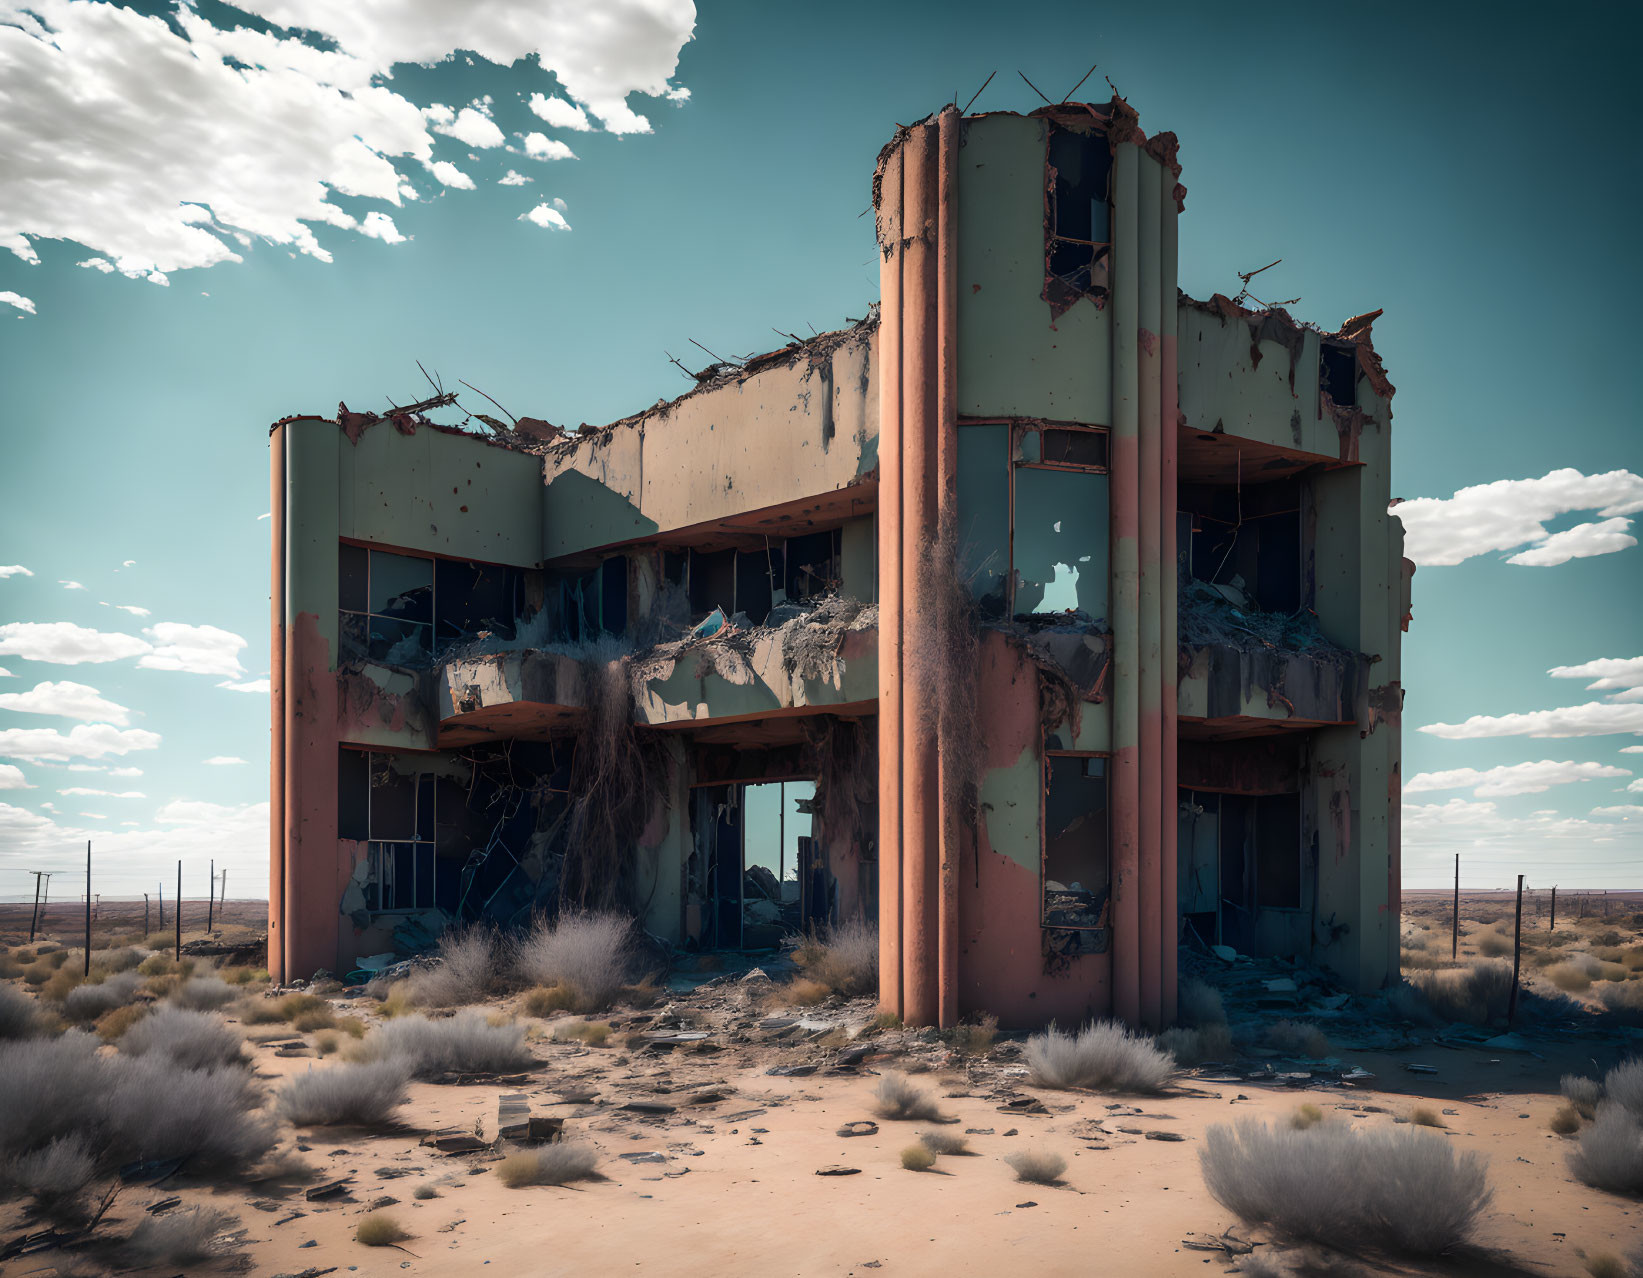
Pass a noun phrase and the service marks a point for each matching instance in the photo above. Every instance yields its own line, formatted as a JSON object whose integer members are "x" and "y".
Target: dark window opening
{"x": 1080, "y": 230}
{"x": 1338, "y": 373}
{"x": 402, "y": 609}
{"x": 758, "y": 576}
{"x": 712, "y": 581}
{"x": 812, "y": 566}
{"x": 470, "y": 598}
{"x": 1237, "y": 854}
{"x": 1246, "y": 542}
{"x": 1073, "y": 448}
{"x": 613, "y": 595}
{"x": 1077, "y": 865}
{"x": 1278, "y": 851}
{"x": 393, "y": 806}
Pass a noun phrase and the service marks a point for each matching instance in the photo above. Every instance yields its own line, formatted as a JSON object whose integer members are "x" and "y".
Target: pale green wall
{"x": 1013, "y": 360}
{"x": 311, "y": 526}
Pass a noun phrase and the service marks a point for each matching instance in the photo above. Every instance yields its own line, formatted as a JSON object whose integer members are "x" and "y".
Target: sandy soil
{"x": 729, "y": 1185}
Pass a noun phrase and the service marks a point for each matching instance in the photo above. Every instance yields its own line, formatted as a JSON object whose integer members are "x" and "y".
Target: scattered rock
{"x": 861, "y": 1127}
{"x": 835, "y": 1169}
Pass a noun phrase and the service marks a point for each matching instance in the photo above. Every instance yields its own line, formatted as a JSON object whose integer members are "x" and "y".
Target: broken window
{"x": 1059, "y": 542}
{"x": 812, "y": 566}
{"x": 474, "y": 598}
{"x": 712, "y": 581}
{"x": 760, "y": 578}
{"x": 398, "y": 807}
{"x": 755, "y": 873}
{"x": 1338, "y": 373}
{"x": 984, "y": 513}
{"x": 386, "y": 605}
{"x": 1246, "y": 542}
{"x": 1077, "y": 864}
{"x": 594, "y": 602}
{"x": 1237, "y": 854}
{"x": 1078, "y": 221}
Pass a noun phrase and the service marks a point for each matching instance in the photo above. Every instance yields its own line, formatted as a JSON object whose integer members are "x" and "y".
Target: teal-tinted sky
{"x": 1476, "y": 175}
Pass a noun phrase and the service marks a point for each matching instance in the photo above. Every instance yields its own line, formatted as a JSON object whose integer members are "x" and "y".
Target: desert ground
{"x": 718, "y": 1098}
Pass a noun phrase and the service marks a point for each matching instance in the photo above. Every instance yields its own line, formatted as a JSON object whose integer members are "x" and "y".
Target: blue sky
{"x": 1474, "y": 173}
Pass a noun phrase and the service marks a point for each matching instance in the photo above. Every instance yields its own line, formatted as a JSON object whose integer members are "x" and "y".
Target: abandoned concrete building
{"x": 1049, "y": 617}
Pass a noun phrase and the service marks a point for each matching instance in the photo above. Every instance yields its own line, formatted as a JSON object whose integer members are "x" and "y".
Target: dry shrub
{"x": 1566, "y": 1121}
{"x": 321, "y": 1018}
{"x": 1200, "y": 1004}
{"x": 61, "y": 983}
{"x": 37, "y": 973}
{"x": 642, "y": 995}
{"x": 1582, "y": 1093}
{"x": 1611, "y": 1151}
{"x": 1384, "y": 1188}
{"x": 801, "y": 992}
{"x": 1037, "y": 1166}
{"x": 1195, "y": 1046}
{"x": 1624, "y": 1002}
{"x": 896, "y": 1097}
{"x": 115, "y": 960}
{"x": 55, "y": 1175}
{"x": 1605, "y": 1264}
{"x": 1103, "y": 1056}
{"x": 210, "y": 1117}
{"x": 545, "y": 1000}
{"x": 1632, "y": 958}
{"x": 944, "y": 1143}
{"x": 918, "y": 1158}
{"x": 90, "y": 1002}
{"x": 272, "y": 1011}
{"x": 592, "y": 1034}
{"x": 19, "y": 1014}
{"x": 112, "y": 1025}
{"x": 1571, "y": 976}
{"x": 846, "y": 961}
{"x": 379, "y": 1229}
{"x": 976, "y": 1037}
{"x": 326, "y": 1042}
{"x": 1477, "y": 994}
{"x": 462, "y": 1044}
{"x": 556, "y": 1164}
{"x": 424, "y": 1192}
{"x": 397, "y": 1001}
{"x": 1624, "y": 1085}
{"x": 1426, "y": 1116}
{"x": 473, "y": 963}
{"x": 357, "y": 1095}
{"x": 1298, "y": 1037}
{"x": 588, "y": 955}
{"x": 242, "y": 975}
{"x": 184, "y": 1236}
{"x": 191, "y": 1040}
{"x": 204, "y": 993}
{"x": 165, "y": 965}
{"x": 1492, "y": 944}
{"x": 1305, "y": 1116}
{"x": 10, "y": 968}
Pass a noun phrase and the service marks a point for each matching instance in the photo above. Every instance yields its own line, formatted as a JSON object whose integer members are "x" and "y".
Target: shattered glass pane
{"x": 402, "y": 586}
{"x": 353, "y": 642}
{"x": 393, "y": 801}
{"x": 1060, "y": 541}
{"x": 352, "y": 595}
{"x": 399, "y": 643}
{"x": 983, "y": 466}
{"x": 1076, "y": 858}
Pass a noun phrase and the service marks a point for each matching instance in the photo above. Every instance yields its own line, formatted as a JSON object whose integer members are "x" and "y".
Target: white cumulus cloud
{"x": 161, "y": 143}
{"x": 539, "y": 146}
{"x": 197, "y": 649}
{"x": 11, "y": 778}
{"x": 83, "y": 741}
{"x": 544, "y": 215}
{"x": 14, "y": 570}
{"x": 1514, "y": 778}
{"x": 69, "y": 585}
{"x": 1594, "y": 719}
{"x": 559, "y": 114}
{"x": 513, "y": 179}
{"x": 1620, "y": 677}
{"x": 24, "y": 304}
{"x": 1510, "y": 513}
{"x": 104, "y": 794}
{"x": 67, "y": 700}
{"x": 224, "y": 761}
{"x": 245, "y": 685}
{"x": 125, "y": 772}
{"x": 66, "y": 644}
{"x": 379, "y": 226}
{"x": 449, "y": 175}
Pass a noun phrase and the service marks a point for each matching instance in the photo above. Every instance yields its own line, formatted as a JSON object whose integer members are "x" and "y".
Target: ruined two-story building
{"x": 1047, "y": 618}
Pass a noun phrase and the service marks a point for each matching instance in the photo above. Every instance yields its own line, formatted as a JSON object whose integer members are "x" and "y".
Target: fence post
{"x": 88, "y": 907}
{"x": 1517, "y": 953}
{"x": 1454, "y": 927}
{"x": 35, "y": 917}
{"x": 179, "y": 911}
{"x": 145, "y": 916}
{"x": 1553, "y": 926}
{"x": 211, "y": 897}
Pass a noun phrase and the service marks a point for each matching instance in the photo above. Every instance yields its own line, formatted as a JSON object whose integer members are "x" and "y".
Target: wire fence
{"x": 122, "y": 919}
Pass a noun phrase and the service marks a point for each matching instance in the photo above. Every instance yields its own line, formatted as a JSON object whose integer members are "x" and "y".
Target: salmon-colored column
{"x": 1125, "y": 608}
{"x": 889, "y": 554}
{"x": 1149, "y": 668}
{"x": 276, "y": 687}
{"x": 920, "y": 798}
{"x": 1168, "y": 640}
{"x": 947, "y": 520}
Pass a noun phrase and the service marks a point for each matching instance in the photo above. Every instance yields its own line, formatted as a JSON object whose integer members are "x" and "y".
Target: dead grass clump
{"x": 1566, "y": 1121}
{"x": 461, "y": 1044}
{"x": 424, "y": 1192}
{"x": 165, "y": 965}
{"x": 556, "y": 1164}
{"x": 801, "y": 992}
{"x": 116, "y": 960}
{"x": 1383, "y": 1188}
{"x": 19, "y": 1014}
{"x": 1477, "y": 994}
{"x": 1571, "y": 976}
{"x": 975, "y": 1037}
{"x": 896, "y": 1097}
{"x": 591, "y": 1034}
{"x": 184, "y": 1236}
{"x": 320, "y": 1018}
{"x": 918, "y": 1158}
{"x": 91, "y": 1002}
{"x": 210, "y": 1117}
{"x": 1200, "y": 1004}
{"x": 1492, "y": 944}
{"x": 1306, "y": 1116}
{"x": 1037, "y": 1166}
{"x": 1624, "y": 1085}
{"x": 846, "y": 961}
{"x": 273, "y": 1011}
{"x": 587, "y": 954}
{"x": 1611, "y": 1151}
{"x": 1426, "y": 1116}
{"x": 113, "y": 1024}
{"x": 1582, "y": 1093}
{"x": 61, "y": 983}
{"x": 1103, "y": 1056}
{"x": 356, "y": 1095}
{"x": 51, "y": 1084}
{"x": 54, "y": 1175}
{"x": 945, "y": 1143}
{"x": 1298, "y": 1037}
{"x": 545, "y": 1000}
{"x": 1624, "y": 1002}
{"x": 379, "y": 1229}
{"x": 473, "y": 961}
{"x": 192, "y": 1040}
{"x": 204, "y": 993}
{"x": 1196, "y": 1046}
{"x": 1632, "y": 958}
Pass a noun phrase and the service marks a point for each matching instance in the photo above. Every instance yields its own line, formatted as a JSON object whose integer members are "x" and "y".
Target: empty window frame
{"x": 401, "y": 609}
{"x": 756, "y": 580}
{"x": 391, "y": 805}
{"x": 594, "y": 602}
{"x": 1076, "y": 872}
{"x": 1078, "y": 221}
{"x": 1033, "y": 515}
{"x": 1338, "y": 373}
